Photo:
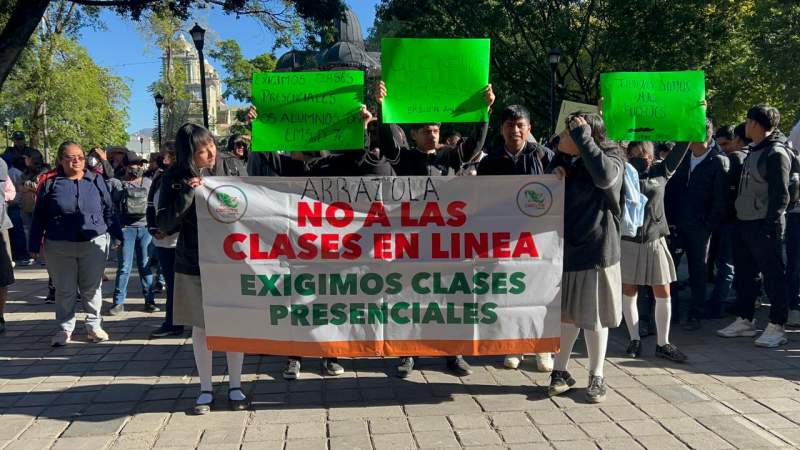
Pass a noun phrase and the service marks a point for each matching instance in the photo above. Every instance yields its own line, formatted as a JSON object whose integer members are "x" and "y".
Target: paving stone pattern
{"x": 132, "y": 393}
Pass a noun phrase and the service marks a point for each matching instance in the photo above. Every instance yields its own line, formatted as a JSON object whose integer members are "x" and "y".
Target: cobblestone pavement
{"x": 132, "y": 392}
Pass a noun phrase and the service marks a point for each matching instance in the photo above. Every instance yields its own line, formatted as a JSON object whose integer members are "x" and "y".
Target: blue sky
{"x": 124, "y": 49}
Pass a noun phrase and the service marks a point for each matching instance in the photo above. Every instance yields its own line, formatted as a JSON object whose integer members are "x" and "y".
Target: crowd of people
{"x": 729, "y": 204}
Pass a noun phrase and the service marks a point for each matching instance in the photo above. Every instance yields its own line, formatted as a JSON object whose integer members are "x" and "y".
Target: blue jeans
{"x": 166, "y": 259}
{"x": 793, "y": 258}
{"x": 724, "y": 263}
{"x": 135, "y": 244}
{"x": 19, "y": 245}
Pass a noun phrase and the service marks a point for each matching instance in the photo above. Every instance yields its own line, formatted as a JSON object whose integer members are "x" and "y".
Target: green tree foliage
{"x": 56, "y": 91}
{"x": 240, "y": 69}
{"x": 748, "y": 48}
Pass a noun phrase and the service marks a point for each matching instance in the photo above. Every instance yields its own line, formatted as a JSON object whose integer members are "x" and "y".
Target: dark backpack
{"x": 794, "y": 170}
{"x": 134, "y": 202}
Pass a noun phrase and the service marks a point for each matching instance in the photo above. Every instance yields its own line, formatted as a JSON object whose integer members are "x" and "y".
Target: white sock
{"x": 235, "y": 361}
{"x": 631, "y": 313}
{"x": 569, "y": 334}
{"x": 596, "y": 344}
{"x": 663, "y": 318}
{"x": 203, "y": 359}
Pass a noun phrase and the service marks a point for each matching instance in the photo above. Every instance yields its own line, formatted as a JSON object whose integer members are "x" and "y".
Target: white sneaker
{"x": 544, "y": 362}
{"x": 98, "y": 335}
{"x": 794, "y": 318}
{"x": 739, "y": 328}
{"x": 772, "y": 337}
{"x": 512, "y": 361}
{"x": 61, "y": 339}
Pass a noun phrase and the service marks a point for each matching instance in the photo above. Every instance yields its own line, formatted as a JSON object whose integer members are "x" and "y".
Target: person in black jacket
{"x": 733, "y": 142}
{"x": 517, "y": 155}
{"x": 646, "y": 260}
{"x": 697, "y": 197}
{"x": 195, "y": 154}
{"x": 591, "y": 286}
{"x": 164, "y": 247}
{"x": 760, "y": 209}
{"x": 430, "y": 158}
{"x": 233, "y": 161}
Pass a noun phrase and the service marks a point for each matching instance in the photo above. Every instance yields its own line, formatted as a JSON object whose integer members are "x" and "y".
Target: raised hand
{"x": 380, "y": 92}
{"x": 488, "y": 95}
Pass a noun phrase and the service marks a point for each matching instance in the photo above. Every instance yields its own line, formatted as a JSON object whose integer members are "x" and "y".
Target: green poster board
{"x": 654, "y": 106}
{"x": 304, "y": 111}
{"x": 434, "y": 80}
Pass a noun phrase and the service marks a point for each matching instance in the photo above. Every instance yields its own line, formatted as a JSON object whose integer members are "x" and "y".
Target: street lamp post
{"x": 141, "y": 145}
{"x": 159, "y": 103}
{"x": 554, "y": 57}
{"x": 198, "y": 34}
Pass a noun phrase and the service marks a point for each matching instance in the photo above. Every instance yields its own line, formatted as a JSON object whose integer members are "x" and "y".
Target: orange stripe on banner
{"x": 383, "y": 348}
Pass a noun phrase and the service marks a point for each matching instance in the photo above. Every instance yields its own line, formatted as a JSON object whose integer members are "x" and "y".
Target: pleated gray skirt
{"x": 647, "y": 264}
{"x": 592, "y": 299}
{"x": 188, "y": 301}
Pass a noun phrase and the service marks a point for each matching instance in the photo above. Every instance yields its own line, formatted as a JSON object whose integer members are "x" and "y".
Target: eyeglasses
{"x": 74, "y": 158}
{"x": 240, "y": 145}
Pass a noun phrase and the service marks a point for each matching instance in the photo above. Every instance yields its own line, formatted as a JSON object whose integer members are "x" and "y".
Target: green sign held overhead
{"x": 434, "y": 80}
{"x": 654, "y": 106}
{"x": 304, "y": 111}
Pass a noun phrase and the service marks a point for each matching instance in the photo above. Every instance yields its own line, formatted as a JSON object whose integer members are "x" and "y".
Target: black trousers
{"x": 694, "y": 244}
{"x": 754, "y": 252}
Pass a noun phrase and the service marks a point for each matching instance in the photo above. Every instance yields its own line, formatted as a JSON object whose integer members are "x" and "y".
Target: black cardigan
{"x": 593, "y": 189}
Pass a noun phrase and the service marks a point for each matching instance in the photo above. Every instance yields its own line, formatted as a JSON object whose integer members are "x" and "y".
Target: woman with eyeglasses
{"x": 72, "y": 217}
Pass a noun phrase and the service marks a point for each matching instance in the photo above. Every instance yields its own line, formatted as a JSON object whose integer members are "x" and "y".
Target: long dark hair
{"x": 599, "y": 132}
{"x": 187, "y": 140}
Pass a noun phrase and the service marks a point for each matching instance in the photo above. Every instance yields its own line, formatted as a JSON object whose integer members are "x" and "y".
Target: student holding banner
{"x": 356, "y": 162}
{"x": 591, "y": 286}
{"x": 645, "y": 258}
{"x": 518, "y": 156}
{"x": 429, "y": 157}
{"x": 195, "y": 154}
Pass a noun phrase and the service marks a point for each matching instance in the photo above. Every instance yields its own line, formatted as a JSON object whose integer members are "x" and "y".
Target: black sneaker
{"x": 459, "y": 366}
{"x": 292, "y": 370}
{"x": 560, "y": 382}
{"x": 51, "y": 298}
{"x": 331, "y": 366}
{"x": 596, "y": 392}
{"x": 116, "y": 310}
{"x": 406, "y": 367}
{"x": 2, "y": 325}
{"x": 634, "y": 349}
{"x": 692, "y": 324}
{"x": 671, "y": 353}
{"x": 151, "y": 308}
{"x": 163, "y": 331}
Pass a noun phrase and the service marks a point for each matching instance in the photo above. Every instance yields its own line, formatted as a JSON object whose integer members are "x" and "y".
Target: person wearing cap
{"x": 130, "y": 198}
{"x": 14, "y": 156}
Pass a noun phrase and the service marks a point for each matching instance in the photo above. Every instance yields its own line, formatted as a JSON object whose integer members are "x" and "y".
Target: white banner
{"x": 382, "y": 266}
